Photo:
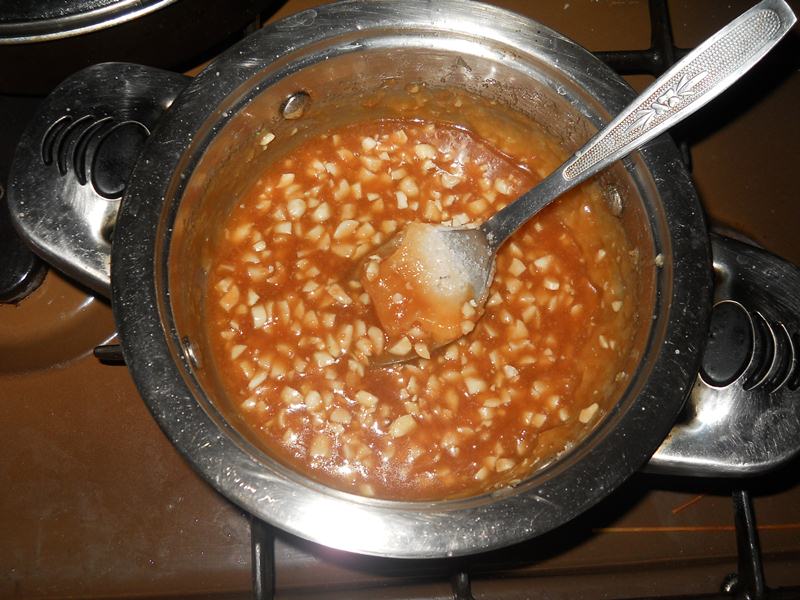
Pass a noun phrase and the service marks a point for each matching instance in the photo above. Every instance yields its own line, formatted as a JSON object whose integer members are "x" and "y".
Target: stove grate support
{"x": 661, "y": 54}
{"x": 462, "y": 586}
{"x": 748, "y": 583}
{"x": 262, "y": 556}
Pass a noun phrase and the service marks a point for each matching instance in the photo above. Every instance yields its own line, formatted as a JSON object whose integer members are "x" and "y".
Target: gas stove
{"x": 98, "y": 503}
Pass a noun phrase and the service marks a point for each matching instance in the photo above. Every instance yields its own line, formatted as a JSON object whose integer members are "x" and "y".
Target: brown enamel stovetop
{"x": 95, "y": 502}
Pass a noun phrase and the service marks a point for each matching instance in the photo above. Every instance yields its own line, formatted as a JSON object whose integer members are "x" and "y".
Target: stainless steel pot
{"x": 334, "y": 64}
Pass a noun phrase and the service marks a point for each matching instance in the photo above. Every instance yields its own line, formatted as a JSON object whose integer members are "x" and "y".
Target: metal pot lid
{"x": 552, "y": 496}
{"x": 22, "y": 21}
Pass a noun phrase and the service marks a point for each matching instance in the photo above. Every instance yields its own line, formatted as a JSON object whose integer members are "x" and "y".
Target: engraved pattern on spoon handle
{"x": 692, "y": 82}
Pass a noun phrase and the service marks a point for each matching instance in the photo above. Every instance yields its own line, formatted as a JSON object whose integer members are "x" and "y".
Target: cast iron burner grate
{"x": 748, "y": 582}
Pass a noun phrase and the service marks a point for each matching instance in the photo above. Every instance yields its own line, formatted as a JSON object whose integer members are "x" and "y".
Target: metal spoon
{"x": 699, "y": 77}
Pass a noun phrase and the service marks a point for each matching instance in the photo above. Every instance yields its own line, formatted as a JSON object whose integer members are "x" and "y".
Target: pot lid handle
{"x": 742, "y": 417}
{"x": 72, "y": 164}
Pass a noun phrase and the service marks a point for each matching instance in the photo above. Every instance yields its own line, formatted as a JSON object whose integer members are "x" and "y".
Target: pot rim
{"x": 330, "y": 517}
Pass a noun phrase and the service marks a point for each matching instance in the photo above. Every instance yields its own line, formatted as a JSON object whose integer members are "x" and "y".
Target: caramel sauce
{"x": 293, "y": 333}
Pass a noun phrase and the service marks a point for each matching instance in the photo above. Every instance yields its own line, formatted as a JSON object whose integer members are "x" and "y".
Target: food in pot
{"x": 294, "y": 332}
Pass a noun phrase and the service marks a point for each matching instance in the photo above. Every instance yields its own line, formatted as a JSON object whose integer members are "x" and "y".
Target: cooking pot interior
{"x": 384, "y": 78}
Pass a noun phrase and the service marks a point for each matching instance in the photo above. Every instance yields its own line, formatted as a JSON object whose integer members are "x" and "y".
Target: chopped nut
{"x": 538, "y": 420}
{"x": 289, "y": 395}
{"x": 475, "y": 385}
{"x": 494, "y": 300}
{"x": 322, "y": 213}
{"x": 424, "y": 151}
{"x": 366, "y": 399}
{"x": 372, "y": 163}
{"x": 402, "y": 426}
{"x": 409, "y": 187}
{"x": 510, "y": 371}
{"x": 257, "y": 380}
{"x": 259, "y": 315}
{"x": 368, "y": 144}
{"x": 402, "y": 199}
{"x": 422, "y": 350}
{"x": 296, "y": 207}
{"x": 285, "y": 228}
{"x": 313, "y": 400}
{"x": 376, "y": 338}
{"x": 323, "y": 359}
{"x": 551, "y": 284}
{"x": 340, "y": 415}
{"x": 467, "y": 310}
{"x": 449, "y": 181}
{"x": 501, "y": 186}
{"x": 587, "y": 413}
{"x": 504, "y": 464}
{"x": 337, "y": 293}
{"x": 372, "y": 269}
{"x": 518, "y": 331}
{"x": 320, "y": 446}
{"x": 517, "y": 267}
{"x": 285, "y": 180}
{"x": 401, "y": 348}
{"x": 342, "y": 190}
{"x": 230, "y": 299}
{"x": 543, "y": 263}
{"x": 345, "y": 228}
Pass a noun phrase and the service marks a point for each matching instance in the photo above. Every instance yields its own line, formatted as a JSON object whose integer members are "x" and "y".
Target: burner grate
{"x": 661, "y": 54}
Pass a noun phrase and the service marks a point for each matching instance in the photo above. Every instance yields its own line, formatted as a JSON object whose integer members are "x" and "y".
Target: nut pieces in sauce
{"x": 294, "y": 333}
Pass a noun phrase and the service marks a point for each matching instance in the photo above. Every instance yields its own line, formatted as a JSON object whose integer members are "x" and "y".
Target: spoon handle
{"x": 696, "y": 79}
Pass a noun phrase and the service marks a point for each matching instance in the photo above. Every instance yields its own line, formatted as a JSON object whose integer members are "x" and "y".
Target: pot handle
{"x": 742, "y": 417}
{"x": 72, "y": 164}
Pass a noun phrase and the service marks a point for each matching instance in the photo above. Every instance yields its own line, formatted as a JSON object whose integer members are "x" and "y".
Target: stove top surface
{"x": 97, "y": 503}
